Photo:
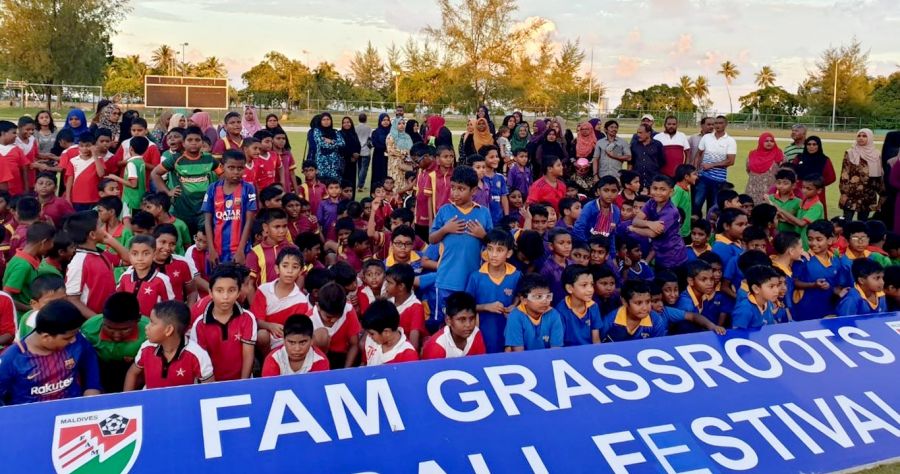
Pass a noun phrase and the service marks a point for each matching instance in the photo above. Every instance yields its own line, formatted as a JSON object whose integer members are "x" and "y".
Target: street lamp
{"x": 183, "y": 59}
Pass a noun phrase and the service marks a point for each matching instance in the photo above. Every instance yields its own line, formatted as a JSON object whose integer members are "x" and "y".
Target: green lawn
{"x": 736, "y": 175}
{"x": 886, "y": 469}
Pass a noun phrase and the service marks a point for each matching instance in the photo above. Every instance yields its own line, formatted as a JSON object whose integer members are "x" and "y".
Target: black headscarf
{"x": 487, "y": 116}
{"x": 808, "y": 164}
{"x": 327, "y": 132}
{"x": 272, "y": 130}
{"x": 125, "y": 126}
{"x": 351, "y": 139}
{"x": 380, "y": 134}
{"x": 444, "y": 138}
{"x": 410, "y": 130}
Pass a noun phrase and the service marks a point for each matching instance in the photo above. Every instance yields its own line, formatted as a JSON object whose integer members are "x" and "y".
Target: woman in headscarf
{"x": 161, "y": 128}
{"x": 597, "y": 124}
{"x": 77, "y": 123}
{"x": 482, "y": 136}
{"x": 433, "y": 126}
{"x": 412, "y": 129}
{"x": 328, "y": 148}
{"x": 510, "y": 122}
{"x": 813, "y": 162}
{"x": 518, "y": 115}
{"x": 762, "y": 164}
{"x": 202, "y": 120}
{"x": 250, "y": 122}
{"x": 177, "y": 121}
{"x": 862, "y": 177}
{"x": 890, "y": 153}
{"x": 379, "y": 148}
{"x": 551, "y": 146}
{"x": 102, "y": 104}
{"x": 484, "y": 113}
{"x": 470, "y": 129}
{"x": 109, "y": 118}
{"x": 310, "y": 142}
{"x": 540, "y": 129}
{"x": 398, "y": 145}
{"x": 519, "y": 138}
{"x": 350, "y": 152}
{"x": 273, "y": 124}
{"x": 585, "y": 141}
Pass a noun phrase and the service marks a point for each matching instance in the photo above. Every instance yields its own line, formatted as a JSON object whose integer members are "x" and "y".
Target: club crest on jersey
{"x": 97, "y": 442}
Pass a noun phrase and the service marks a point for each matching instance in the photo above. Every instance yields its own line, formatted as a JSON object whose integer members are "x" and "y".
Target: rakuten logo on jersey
{"x": 52, "y": 387}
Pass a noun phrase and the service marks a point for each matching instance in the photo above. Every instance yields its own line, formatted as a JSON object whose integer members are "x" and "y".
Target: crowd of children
{"x": 121, "y": 273}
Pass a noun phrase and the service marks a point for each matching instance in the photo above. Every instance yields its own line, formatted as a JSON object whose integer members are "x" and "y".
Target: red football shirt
{"x": 85, "y": 180}
{"x": 56, "y": 209}
{"x": 277, "y": 363}
{"x": 190, "y": 365}
{"x": 403, "y": 351}
{"x": 224, "y": 144}
{"x": 412, "y": 315}
{"x": 8, "y": 320}
{"x": 180, "y": 271}
{"x": 14, "y": 162}
{"x": 313, "y": 194}
{"x": 261, "y": 261}
{"x": 268, "y": 307}
{"x": 441, "y": 345}
{"x": 343, "y": 329}
{"x": 225, "y": 342}
{"x": 90, "y": 277}
{"x": 267, "y": 166}
{"x": 152, "y": 289}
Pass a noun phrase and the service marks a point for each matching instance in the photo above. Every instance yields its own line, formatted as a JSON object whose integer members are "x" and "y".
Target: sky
{"x": 635, "y": 43}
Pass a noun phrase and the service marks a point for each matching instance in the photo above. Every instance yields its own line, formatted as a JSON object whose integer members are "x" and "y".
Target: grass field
{"x": 886, "y": 469}
{"x": 736, "y": 174}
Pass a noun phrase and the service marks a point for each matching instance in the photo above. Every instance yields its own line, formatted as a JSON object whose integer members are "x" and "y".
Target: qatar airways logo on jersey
{"x": 54, "y": 387}
{"x": 229, "y": 214}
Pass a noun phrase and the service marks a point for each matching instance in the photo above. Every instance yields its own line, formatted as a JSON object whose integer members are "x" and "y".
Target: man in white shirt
{"x": 716, "y": 154}
{"x": 676, "y": 149}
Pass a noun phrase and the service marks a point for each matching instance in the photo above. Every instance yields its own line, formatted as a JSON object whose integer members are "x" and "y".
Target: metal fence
{"x": 18, "y": 98}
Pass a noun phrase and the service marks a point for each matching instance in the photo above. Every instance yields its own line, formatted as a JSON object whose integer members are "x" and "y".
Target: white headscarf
{"x": 867, "y": 153}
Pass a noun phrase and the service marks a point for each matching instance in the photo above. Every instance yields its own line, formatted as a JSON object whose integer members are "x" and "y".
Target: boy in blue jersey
{"x": 459, "y": 226}
{"x": 700, "y": 233}
{"x": 673, "y": 317}
{"x": 755, "y": 310}
{"x": 229, "y": 208}
{"x": 494, "y": 288}
{"x": 788, "y": 250}
{"x": 557, "y": 261}
{"x": 534, "y": 324}
{"x": 606, "y": 293}
{"x": 53, "y": 362}
{"x": 700, "y": 295}
{"x": 580, "y": 315}
{"x": 633, "y": 320}
{"x": 780, "y": 312}
{"x": 729, "y": 231}
{"x": 495, "y": 182}
{"x": 599, "y": 216}
{"x": 822, "y": 276}
{"x": 867, "y": 294}
{"x": 753, "y": 238}
{"x": 630, "y": 261}
{"x": 665, "y": 291}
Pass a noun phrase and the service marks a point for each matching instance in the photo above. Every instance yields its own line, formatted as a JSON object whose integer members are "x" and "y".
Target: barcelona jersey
{"x": 26, "y": 377}
{"x": 229, "y": 216}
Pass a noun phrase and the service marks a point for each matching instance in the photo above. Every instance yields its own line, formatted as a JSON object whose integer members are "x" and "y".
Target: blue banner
{"x": 816, "y": 396}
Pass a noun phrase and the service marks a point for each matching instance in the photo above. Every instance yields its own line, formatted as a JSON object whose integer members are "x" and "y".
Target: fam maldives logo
{"x": 97, "y": 442}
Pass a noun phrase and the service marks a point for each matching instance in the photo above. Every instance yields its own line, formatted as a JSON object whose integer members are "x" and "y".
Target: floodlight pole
{"x": 183, "y": 60}
{"x": 837, "y": 64}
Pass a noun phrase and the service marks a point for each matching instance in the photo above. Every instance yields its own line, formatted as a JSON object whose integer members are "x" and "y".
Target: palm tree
{"x": 163, "y": 59}
{"x": 701, "y": 90}
{"x": 209, "y": 67}
{"x": 729, "y": 71}
{"x": 765, "y": 77}
{"x": 686, "y": 84}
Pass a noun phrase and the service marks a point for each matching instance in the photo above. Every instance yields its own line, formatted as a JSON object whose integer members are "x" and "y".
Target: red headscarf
{"x": 433, "y": 126}
{"x": 585, "y": 141}
{"x": 760, "y": 159}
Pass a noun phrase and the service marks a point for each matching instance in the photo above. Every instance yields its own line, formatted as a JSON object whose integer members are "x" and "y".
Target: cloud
{"x": 634, "y": 36}
{"x": 627, "y": 66}
{"x": 683, "y": 46}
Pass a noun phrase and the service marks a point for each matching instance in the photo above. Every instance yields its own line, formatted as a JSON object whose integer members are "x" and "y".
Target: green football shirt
{"x": 20, "y": 272}
{"x": 810, "y": 212}
{"x": 791, "y": 206}
{"x": 111, "y": 351}
{"x": 195, "y": 176}
{"x": 681, "y": 198}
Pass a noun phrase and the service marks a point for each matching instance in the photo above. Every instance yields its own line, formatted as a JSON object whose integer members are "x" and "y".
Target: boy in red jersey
{"x": 385, "y": 341}
{"x": 261, "y": 259}
{"x": 83, "y": 173}
{"x": 312, "y": 189}
{"x": 232, "y": 140}
{"x": 232, "y": 356}
{"x": 142, "y": 279}
{"x": 278, "y": 299}
{"x": 373, "y": 284}
{"x": 13, "y": 159}
{"x": 460, "y": 337}
{"x": 297, "y": 355}
{"x": 399, "y": 279}
{"x": 181, "y": 271}
{"x": 89, "y": 276}
{"x": 268, "y": 163}
{"x": 230, "y": 207}
{"x": 167, "y": 359}
{"x": 336, "y": 326}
